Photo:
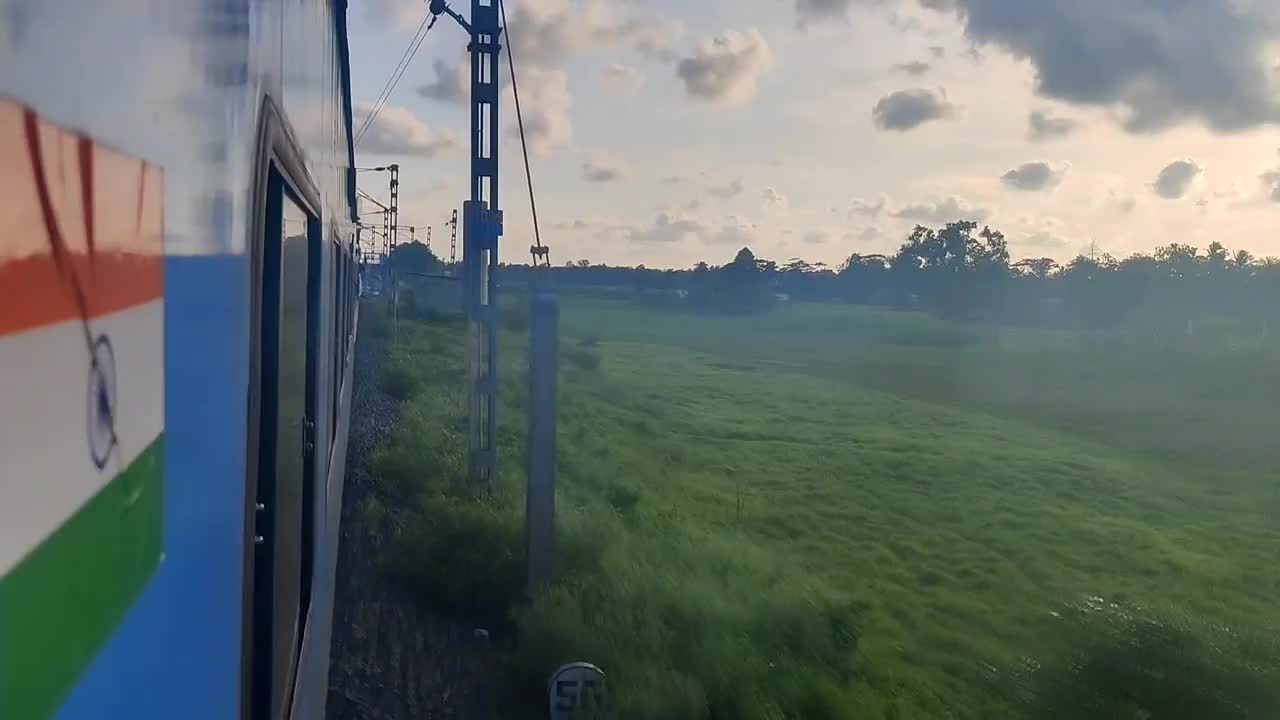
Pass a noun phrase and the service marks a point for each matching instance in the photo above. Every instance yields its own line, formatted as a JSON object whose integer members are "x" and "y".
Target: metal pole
{"x": 482, "y": 225}
{"x": 540, "y": 494}
{"x": 453, "y": 238}
{"x": 394, "y": 210}
{"x": 395, "y": 204}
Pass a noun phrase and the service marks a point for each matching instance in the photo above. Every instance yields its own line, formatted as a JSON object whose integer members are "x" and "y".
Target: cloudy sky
{"x": 670, "y": 131}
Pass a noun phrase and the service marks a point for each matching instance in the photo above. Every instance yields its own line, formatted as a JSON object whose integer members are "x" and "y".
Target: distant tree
{"x": 1040, "y": 268}
{"x": 855, "y": 261}
{"x": 989, "y": 251}
{"x": 1179, "y": 259}
{"x": 1217, "y": 257}
{"x": 797, "y": 265}
{"x": 740, "y": 286}
{"x": 954, "y": 271}
{"x": 414, "y": 257}
{"x": 864, "y": 278}
{"x": 961, "y": 270}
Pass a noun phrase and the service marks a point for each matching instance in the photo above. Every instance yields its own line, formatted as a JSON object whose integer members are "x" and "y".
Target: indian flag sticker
{"x": 81, "y": 400}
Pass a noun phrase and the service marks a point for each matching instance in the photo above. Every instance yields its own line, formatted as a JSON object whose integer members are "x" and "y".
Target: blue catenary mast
{"x": 481, "y": 227}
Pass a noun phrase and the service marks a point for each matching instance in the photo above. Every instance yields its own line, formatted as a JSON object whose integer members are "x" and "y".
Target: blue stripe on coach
{"x": 180, "y": 642}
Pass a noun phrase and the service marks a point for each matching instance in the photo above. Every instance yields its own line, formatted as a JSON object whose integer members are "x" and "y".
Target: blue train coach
{"x": 177, "y": 316}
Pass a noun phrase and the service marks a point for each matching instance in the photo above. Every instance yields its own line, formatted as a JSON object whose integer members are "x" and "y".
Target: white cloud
{"x": 908, "y": 109}
{"x": 621, "y": 79}
{"x": 774, "y": 199}
{"x": 735, "y": 231}
{"x": 869, "y": 235}
{"x": 1043, "y": 126}
{"x": 1271, "y": 179}
{"x": 1175, "y": 180}
{"x": 667, "y": 228}
{"x": 451, "y": 84}
{"x": 1161, "y": 63}
{"x": 1043, "y": 240}
{"x": 599, "y": 228}
{"x": 1122, "y": 202}
{"x": 1032, "y": 177}
{"x": 545, "y": 100}
{"x": 397, "y": 131}
{"x": 652, "y": 35}
{"x": 1271, "y": 182}
{"x": 726, "y": 67}
{"x": 915, "y": 68}
{"x": 817, "y": 11}
{"x": 598, "y": 170}
{"x": 548, "y": 32}
{"x": 395, "y": 14}
{"x": 861, "y": 206}
{"x": 724, "y": 192}
{"x": 951, "y": 209}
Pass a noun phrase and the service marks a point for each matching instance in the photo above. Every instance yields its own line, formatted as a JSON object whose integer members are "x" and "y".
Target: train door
{"x": 283, "y": 517}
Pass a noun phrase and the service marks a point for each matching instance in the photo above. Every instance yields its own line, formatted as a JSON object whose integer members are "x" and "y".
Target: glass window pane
{"x": 291, "y": 450}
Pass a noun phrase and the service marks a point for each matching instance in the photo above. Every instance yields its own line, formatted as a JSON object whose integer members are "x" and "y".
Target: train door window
{"x": 285, "y": 498}
{"x": 335, "y": 340}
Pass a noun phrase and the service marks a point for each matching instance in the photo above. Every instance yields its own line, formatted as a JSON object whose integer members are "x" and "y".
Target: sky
{"x": 666, "y": 132}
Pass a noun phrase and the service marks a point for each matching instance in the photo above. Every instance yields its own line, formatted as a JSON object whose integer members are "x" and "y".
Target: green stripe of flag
{"x": 64, "y": 599}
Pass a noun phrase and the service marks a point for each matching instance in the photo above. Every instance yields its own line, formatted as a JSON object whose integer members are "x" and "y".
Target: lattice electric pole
{"x": 386, "y": 235}
{"x": 453, "y": 238}
{"x": 394, "y": 211}
{"x": 395, "y": 202}
{"x": 481, "y": 227}
{"x": 428, "y": 237}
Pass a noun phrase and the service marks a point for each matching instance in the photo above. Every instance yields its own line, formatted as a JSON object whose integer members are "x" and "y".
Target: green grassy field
{"x": 832, "y": 511}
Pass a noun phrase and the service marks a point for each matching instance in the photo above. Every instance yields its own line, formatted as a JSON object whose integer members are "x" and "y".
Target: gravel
{"x": 391, "y": 659}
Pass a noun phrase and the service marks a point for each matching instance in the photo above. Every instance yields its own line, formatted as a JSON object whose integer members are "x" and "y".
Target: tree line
{"x": 964, "y": 271}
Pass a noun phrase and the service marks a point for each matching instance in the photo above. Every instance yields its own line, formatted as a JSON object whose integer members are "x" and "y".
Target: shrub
{"x": 622, "y": 498}
{"x": 1125, "y": 662}
{"x": 399, "y": 379}
{"x": 583, "y": 359}
{"x": 464, "y": 556}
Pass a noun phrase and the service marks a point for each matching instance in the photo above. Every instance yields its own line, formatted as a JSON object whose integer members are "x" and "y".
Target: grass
{"x": 834, "y": 512}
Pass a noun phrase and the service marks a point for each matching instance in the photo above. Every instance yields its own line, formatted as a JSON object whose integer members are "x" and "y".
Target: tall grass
{"x": 768, "y": 522}
{"x": 694, "y": 627}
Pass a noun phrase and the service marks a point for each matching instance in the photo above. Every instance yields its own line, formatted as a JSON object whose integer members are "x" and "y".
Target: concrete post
{"x": 540, "y": 495}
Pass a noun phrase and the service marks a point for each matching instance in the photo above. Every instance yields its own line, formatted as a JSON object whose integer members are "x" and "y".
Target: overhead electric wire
{"x": 396, "y": 74}
{"x": 370, "y": 198}
{"x": 394, "y": 77}
{"x": 524, "y": 146}
{"x": 387, "y": 84}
